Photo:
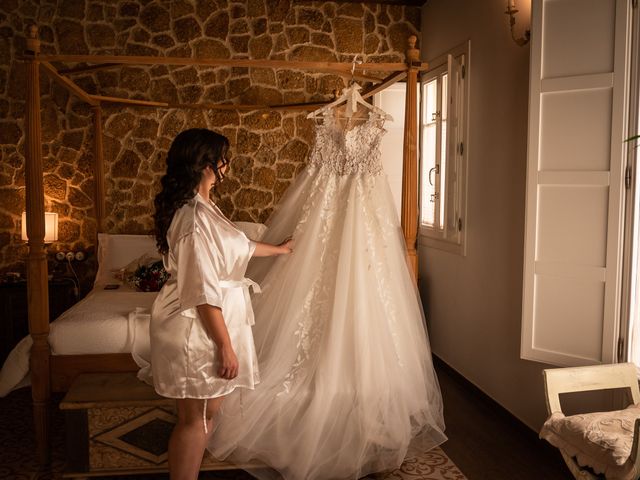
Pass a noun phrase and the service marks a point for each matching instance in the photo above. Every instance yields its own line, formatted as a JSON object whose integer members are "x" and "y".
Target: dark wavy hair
{"x": 190, "y": 153}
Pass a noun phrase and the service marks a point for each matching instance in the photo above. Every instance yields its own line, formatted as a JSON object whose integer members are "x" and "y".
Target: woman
{"x": 201, "y": 341}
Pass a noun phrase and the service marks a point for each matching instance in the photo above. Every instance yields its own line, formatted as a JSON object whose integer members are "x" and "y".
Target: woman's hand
{"x": 286, "y": 246}
{"x": 228, "y": 362}
{"x": 213, "y": 321}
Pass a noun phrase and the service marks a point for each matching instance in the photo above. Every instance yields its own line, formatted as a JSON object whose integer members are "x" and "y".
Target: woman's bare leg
{"x": 213, "y": 406}
{"x": 188, "y": 439}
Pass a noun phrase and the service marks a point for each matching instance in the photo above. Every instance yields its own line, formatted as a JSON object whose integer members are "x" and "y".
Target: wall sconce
{"x": 50, "y": 227}
{"x": 511, "y": 11}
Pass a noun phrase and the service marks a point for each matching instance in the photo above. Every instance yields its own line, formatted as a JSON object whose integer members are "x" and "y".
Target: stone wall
{"x": 269, "y": 147}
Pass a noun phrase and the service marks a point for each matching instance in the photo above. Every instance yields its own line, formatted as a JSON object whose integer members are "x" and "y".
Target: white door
{"x": 575, "y": 180}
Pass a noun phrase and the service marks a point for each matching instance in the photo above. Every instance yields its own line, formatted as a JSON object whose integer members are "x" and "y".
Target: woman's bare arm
{"x": 268, "y": 250}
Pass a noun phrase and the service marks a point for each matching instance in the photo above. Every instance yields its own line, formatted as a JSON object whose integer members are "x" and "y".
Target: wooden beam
{"x": 356, "y": 76}
{"x": 416, "y": 3}
{"x": 68, "y": 84}
{"x": 88, "y": 68}
{"x": 208, "y": 106}
{"x": 387, "y": 82}
{"x": 226, "y": 62}
{"x": 130, "y": 101}
{"x": 108, "y": 66}
{"x": 242, "y": 107}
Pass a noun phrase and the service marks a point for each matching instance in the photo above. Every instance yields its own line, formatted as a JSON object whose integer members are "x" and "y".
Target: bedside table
{"x": 14, "y": 323}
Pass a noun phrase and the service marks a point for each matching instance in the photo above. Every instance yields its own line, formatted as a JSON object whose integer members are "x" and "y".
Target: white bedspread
{"x": 105, "y": 321}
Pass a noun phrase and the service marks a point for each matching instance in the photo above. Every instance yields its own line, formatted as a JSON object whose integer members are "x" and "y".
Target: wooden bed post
{"x": 409, "y": 216}
{"x": 98, "y": 167}
{"x": 37, "y": 282}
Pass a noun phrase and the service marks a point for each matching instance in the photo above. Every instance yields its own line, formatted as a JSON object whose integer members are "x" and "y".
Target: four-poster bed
{"x": 56, "y": 372}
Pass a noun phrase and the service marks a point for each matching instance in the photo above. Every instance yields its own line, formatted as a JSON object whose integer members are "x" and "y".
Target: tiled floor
{"x": 17, "y": 452}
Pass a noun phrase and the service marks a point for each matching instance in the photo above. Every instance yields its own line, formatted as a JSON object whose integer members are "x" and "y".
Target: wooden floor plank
{"x": 486, "y": 442}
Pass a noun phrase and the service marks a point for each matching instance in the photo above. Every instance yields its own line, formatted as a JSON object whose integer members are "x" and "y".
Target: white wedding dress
{"x": 347, "y": 380}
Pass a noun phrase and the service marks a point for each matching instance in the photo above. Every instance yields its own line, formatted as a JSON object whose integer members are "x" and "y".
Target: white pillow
{"x": 117, "y": 251}
{"x": 600, "y": 440}
{"x": 253, "y": 231}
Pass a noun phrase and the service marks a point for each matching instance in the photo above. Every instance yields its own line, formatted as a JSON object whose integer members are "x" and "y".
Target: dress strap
{"x": 204, "y": 416}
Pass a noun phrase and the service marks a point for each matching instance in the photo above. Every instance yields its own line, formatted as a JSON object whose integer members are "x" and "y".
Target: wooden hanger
{"x": 351, "y": 96}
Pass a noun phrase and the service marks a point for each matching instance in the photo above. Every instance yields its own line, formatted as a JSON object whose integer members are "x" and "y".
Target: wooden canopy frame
{"x": 57, "y": 372}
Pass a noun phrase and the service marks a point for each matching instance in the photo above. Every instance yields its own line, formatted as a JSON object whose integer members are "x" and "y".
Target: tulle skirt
{"x": 347, "y": 377}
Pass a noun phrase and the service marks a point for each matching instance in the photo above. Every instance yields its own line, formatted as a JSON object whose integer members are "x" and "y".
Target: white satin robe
{"x": 207, "y": 260}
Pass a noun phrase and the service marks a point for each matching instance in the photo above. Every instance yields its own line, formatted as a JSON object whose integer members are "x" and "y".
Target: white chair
{"x": 606, "y": 442}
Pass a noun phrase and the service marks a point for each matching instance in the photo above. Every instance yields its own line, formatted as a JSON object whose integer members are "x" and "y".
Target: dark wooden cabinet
{"x": 14, "y": 324}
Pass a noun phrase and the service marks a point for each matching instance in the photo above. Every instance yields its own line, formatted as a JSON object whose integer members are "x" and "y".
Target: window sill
{"x": 450, "y": 247}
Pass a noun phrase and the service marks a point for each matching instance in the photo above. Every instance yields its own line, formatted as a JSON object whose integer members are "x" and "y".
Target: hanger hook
{"x": 353, "y": 66}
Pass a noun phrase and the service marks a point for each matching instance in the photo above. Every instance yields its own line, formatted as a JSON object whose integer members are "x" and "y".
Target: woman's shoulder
{"x": 184, "y": 221}
{"x": 205, "y": 212}
{"x": 207, "y": 215}
{"x": 200, "y": 215}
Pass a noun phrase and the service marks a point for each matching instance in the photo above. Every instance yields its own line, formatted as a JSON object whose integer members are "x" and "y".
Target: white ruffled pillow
{"x": 600, "y": 440}
{"x": 116, "y": 251}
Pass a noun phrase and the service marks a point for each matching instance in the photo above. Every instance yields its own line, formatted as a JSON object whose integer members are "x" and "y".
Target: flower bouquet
{"x": 145, "y": 274}
{"x": 149, "y": 278}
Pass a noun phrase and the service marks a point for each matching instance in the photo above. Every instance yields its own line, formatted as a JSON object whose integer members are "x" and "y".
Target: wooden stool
{"x": 116, "y": 425}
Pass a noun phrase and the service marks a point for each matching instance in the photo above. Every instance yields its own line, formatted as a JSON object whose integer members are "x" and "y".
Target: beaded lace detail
{"x": 352, "y": 151}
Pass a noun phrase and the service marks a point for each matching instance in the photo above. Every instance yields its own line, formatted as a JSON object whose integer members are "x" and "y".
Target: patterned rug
{"x": 17, "y": 460}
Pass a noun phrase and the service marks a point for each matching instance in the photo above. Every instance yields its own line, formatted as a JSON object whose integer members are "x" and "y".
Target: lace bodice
{"x": 352, "y": 151}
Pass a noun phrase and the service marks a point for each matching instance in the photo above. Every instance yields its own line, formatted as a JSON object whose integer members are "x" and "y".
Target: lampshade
{"x": 50, "y": 227}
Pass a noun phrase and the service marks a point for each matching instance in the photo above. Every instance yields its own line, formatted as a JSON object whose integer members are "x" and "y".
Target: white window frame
{"x": 452, "y": 236}
{"x": 629, "y": 343}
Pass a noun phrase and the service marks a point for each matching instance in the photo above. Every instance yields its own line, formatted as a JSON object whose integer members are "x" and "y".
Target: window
{"x": 443, "y": 151}
{"x": 392, "y": 101}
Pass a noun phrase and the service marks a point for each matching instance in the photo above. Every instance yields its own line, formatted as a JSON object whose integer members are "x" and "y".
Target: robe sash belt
{"x": 243, "y": 284}
{"x": 241, "y": 312}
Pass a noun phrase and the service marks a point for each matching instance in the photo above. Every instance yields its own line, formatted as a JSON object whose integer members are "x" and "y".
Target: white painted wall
{"x": 473, "y": 303}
